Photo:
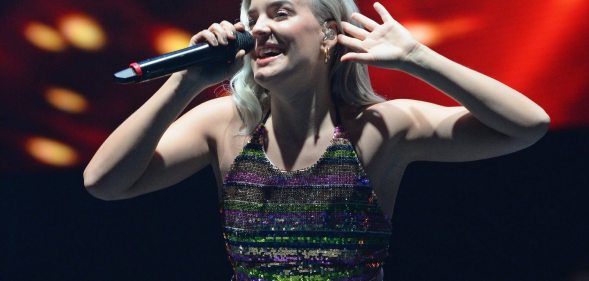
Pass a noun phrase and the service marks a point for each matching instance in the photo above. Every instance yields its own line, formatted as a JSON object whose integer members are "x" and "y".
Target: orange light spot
{"x": 44, "y": 37}
{"x": 51, "y": 152}
{"x": 170, "y": 39}
{"x": 430, "y": 33}
{"x": 66, "y": 100}
{"x": 424, "y": 32}
{"x": 82, "y": 31}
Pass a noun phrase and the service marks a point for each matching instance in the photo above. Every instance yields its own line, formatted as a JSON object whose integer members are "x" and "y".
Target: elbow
{"x": 536, "y": 129}
{"x": 94, "y": 185}
{"x": 542, "y": 125}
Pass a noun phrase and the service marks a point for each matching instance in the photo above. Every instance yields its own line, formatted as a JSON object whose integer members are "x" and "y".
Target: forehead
{"x": 262, "y": 4}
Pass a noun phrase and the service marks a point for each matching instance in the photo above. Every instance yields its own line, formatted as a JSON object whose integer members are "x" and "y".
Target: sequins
{"x": 320, "y": 223}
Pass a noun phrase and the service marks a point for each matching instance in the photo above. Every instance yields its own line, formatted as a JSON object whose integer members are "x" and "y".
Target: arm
{"x": 494, "y": 119}
{"x": 150, "y": 150}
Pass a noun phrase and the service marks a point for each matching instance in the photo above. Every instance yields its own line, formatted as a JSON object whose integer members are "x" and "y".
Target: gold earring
{"x": 326, "y": 53}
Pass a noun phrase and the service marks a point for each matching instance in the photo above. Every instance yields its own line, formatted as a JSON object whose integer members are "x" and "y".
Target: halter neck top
{"x": 321, "y": 223}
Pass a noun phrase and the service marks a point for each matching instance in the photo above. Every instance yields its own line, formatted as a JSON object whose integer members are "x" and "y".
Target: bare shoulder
{"x": 388, "y": 118}
{"x": 216, "y": 109}
{"x": 376, "y": 128}
{"x": 415, "y": 108}
{"x": 219, "y": 123}
{"x": 418, "y": 119}
{"x": 212, "y": 117}
{"x": 393, "y": 125}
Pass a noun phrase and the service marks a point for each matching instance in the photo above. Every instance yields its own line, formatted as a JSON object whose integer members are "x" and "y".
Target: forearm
{"x": 493, "y": 103}
{"x": 124, "y": 156}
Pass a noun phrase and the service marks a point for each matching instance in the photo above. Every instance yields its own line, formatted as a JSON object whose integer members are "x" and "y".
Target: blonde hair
{"x": 349, "y": 81}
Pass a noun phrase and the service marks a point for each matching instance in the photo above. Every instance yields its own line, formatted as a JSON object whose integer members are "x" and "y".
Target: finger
{"x": 197, "y": 38}
{"x": 367, "y": 22}
{"x": 205, "y": 35}
{"x": 240, "y": 55}
{"x": 382, "y": 11}
{"x": 357, "y": 57}
{"x": 220, "y": 32}
{"x": 354, "y": 30}
{"x": 350, "y": 42}
{"x": 239, "y": 27}
{"x": 229, "y": 29}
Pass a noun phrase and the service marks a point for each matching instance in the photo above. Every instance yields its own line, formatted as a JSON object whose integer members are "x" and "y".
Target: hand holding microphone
{"x": 226, "y": 42}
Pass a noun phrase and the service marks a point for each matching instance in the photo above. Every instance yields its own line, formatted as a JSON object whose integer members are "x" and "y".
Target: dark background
{"x": 519, "y": 217}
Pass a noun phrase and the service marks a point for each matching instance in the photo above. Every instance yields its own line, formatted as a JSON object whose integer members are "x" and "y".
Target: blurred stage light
{"x": 66, "y": 100}
{"x": 425, "y": 33}
{"x": 44, "y": 37}
{"x": 82, "y": 31}
{"x": 170, "y": 39}
{"x": 51, "y": 152}
{"x": 430, "y": 33}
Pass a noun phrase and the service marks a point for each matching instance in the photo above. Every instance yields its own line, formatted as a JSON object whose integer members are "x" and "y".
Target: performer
{"x": 308, "y": 159}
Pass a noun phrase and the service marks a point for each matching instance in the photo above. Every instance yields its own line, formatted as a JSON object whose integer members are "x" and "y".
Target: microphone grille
{"x": 245, "y": 41}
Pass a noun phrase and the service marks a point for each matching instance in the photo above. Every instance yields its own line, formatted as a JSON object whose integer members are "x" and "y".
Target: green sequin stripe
{"x": 322, "y": 275}
{"x": 322, "y": 240}
{"x": 236, "y": 205}
{"x": 340, "y": 153}
{"x": 249, "y": 151}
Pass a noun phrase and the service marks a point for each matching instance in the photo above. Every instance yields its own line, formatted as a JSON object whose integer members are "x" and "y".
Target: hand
{"x": 385, "y": 45}
{"x": 216, "y": 34}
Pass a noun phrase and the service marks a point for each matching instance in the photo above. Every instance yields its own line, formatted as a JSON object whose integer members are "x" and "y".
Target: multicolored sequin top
{"x": 319, "y": 223}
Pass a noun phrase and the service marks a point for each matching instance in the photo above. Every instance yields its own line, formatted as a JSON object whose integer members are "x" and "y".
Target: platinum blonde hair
{"x": 350, "y": 82}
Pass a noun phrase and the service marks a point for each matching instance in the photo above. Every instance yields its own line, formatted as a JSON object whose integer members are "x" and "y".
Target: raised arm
{"x": 150, "y": 150}
{"x": 494, "y": 119}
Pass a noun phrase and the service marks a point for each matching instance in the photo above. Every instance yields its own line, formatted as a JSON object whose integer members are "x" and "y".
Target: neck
{"x": 302, "y": 113}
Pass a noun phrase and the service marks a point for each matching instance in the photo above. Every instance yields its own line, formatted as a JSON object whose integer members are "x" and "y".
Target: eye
{"x": 281, "y": 13}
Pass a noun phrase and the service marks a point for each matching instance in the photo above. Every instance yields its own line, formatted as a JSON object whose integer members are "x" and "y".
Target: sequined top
{"x": 319, "y": 223}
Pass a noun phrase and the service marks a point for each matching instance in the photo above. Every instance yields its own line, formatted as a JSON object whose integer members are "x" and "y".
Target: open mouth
{"x": 268, "y": 51}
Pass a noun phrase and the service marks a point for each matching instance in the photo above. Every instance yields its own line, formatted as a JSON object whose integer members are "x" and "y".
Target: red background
{"x": 537, "y": 47}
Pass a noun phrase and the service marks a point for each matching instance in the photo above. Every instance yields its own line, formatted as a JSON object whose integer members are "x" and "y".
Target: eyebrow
{"x": 272, "y": 4}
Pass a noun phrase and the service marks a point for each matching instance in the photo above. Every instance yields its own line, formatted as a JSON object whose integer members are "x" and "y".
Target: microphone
{"x": 169, "y": 63}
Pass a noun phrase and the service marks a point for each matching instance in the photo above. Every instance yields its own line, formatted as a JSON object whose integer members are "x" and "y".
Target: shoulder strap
{"x": 259, "y": 132}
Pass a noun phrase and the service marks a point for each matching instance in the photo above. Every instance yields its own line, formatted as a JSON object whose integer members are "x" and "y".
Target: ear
{"x": 329, "y": 29}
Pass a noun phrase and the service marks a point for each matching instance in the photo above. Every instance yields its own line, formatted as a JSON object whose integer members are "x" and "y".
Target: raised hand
{"x": 385, "y": 45}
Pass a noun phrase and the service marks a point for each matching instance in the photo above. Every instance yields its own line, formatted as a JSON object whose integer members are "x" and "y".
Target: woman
{"x": 307, "y": 158}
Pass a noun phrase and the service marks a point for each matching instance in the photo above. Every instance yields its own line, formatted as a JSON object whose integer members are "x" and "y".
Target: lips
{"x": 266, "y": 52}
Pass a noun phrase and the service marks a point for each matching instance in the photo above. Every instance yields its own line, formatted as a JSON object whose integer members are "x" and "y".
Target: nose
{"x": 261, "y": 28}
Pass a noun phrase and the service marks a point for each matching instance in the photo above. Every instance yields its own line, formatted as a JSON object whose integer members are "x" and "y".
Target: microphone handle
{"x": 169, "y": 63}
{"x": 181, "y": 59}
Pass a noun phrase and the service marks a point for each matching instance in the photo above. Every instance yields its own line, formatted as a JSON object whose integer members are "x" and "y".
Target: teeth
{"x": 268, "y": 52}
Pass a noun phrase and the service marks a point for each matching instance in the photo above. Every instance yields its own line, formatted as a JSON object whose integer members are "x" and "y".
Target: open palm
{"x": 385, "y": 45}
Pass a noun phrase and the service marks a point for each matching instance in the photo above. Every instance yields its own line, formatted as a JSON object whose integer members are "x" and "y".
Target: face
{"x": 288, "y": 41}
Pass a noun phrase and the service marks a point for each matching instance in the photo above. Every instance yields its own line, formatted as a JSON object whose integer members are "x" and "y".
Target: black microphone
{"x": 169, "y": 63}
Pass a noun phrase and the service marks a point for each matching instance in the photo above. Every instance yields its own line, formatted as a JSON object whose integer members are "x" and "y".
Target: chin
{"x": 268, "y": 75}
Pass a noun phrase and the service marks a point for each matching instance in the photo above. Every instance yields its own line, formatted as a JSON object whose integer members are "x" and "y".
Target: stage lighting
{"x": 431, "y": 33}
{"x": 51, "y": 152}
{"x": 82, "y": 31}
{"x": 66, "y": 100}
{"x": 44, "y": 37}
{"x": 170, "y": 39}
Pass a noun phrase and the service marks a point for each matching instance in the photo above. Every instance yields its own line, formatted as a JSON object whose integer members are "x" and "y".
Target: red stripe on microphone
{"x": 135, "y": 66}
